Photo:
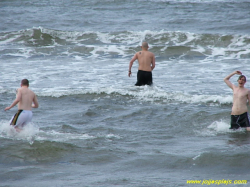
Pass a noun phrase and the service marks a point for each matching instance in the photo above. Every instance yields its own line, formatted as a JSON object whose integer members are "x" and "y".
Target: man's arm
{"x": 131, "y": 64}
{"x": 18, "y": 98}
{"x": 35, "y": 102}
{"x": 248, "y": 97}
{"x": 153, "y": 63}
{"x": 226, "y": 79}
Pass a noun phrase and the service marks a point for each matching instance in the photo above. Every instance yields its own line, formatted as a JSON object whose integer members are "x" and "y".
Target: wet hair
{"x": 25, "y": 82}
{"x": 242, "y": 76}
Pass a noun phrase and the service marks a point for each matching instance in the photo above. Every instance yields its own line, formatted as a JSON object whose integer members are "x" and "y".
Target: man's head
{"x": 242, "y": 80}
{"x": 144, "y": 45}
{"x": 25, "y": 82}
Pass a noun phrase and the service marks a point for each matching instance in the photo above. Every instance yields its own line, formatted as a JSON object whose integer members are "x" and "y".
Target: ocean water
{"x": 93, "y": 126}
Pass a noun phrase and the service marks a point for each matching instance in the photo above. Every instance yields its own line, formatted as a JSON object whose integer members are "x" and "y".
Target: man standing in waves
{"x": 26, "y": 100}
{"x": 146, "y": 62}
{"x": 239, "y": 114}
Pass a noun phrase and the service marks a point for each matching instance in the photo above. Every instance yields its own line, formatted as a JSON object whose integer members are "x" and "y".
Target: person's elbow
{"x": 35, "y": 105}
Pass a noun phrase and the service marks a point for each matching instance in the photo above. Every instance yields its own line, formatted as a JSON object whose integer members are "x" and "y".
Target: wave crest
{"x": 165, "y": 44}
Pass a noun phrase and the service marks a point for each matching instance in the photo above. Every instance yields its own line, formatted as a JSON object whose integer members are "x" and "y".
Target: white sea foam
{"x": 28, "y": 133}
{"x": 120, "y": 43}
{"x": 145, "y": 93}
{"x": 61, "y": 136}
{"x": 174, "y": 81}
{"x": 32, "y": 133}
{"x": 219, "y": 126}
{"x": 223, "y": 127}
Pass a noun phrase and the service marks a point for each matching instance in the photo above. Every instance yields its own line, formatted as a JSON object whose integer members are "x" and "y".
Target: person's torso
{"x": 145, "y": 59}
{"x": 239, "y": 101}
{"x": 26, "y": 100}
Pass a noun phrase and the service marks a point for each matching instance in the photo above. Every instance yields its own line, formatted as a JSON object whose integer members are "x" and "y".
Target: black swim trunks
{"x": 144, "y": 77}
{"x": 238, "y": 121}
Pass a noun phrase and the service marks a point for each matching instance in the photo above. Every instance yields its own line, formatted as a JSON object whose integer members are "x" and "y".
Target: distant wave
{"x": 165, "y": 44}
{"x": 148, "y": 95}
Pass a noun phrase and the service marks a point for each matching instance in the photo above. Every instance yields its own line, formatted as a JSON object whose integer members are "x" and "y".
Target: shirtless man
{"x": 146, "y": 61}
{"x": 26, "y": 100}
{"x": 239, "y": 114}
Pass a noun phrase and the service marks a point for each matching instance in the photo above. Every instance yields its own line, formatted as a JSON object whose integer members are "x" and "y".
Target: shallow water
{"x": 93, "y": 126}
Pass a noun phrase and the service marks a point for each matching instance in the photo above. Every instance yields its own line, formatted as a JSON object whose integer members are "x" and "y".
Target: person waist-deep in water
{"x": 239, "y": 114}
{"x": 146, "y": 60}
{"x": 26, "y": 100}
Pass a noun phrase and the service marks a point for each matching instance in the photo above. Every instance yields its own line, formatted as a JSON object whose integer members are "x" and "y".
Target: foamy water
{"x": 93, "y": 127}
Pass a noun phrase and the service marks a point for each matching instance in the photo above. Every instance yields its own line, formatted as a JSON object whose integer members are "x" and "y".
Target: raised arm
{"x": 226, "y": 79}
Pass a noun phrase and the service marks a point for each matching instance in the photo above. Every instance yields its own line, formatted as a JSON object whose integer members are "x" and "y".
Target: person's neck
{"x": 241, "y": 87}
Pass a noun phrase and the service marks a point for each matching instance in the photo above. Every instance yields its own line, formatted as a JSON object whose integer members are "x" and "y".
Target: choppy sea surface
{"x": 93, "y": 126}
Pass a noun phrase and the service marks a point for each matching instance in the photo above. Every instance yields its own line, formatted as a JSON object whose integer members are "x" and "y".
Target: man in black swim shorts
{"x": 238, "y": 121}
{"x": 146, "y": 60}
{"x": 239, "y": 114}
{"x": 144, "y": 77}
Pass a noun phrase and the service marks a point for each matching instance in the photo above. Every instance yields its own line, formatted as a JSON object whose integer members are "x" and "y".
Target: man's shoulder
{"x": 151, "y": 53}
{"x": 237, "y": 89}
{"x": 247, "y": 90}
{"x": 147, "y": 52}
{"x": 32, "y": 92}
{"x": 28, "y": 91}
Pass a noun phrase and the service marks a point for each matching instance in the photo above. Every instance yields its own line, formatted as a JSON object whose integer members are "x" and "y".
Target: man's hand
{"x": 238, "y": 72}
{"x": 129, "y": 73}
{"x": 7, "y": 108}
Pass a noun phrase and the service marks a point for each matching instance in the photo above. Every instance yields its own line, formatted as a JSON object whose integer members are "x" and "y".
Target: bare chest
{"x": 240, "y": 94}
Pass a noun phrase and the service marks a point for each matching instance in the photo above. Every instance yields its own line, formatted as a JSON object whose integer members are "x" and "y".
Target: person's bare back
{"x": 146, "y": 62}
{"x": 27, "y": 98}
{"x": 145, "y": 59}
